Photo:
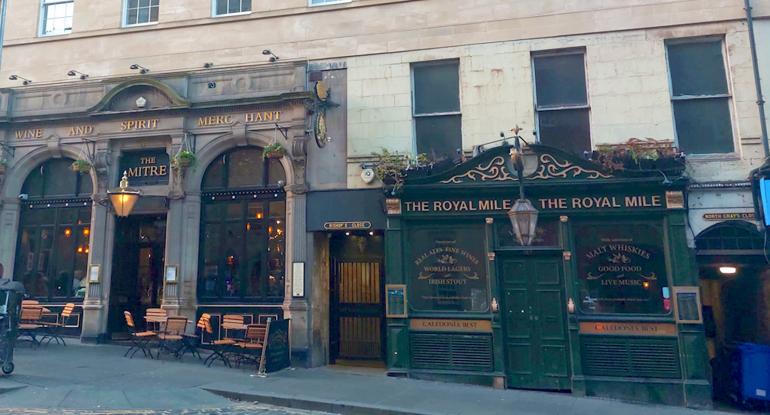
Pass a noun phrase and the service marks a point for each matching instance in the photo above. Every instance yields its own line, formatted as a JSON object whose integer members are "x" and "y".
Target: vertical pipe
{"x": 2, "y": 28}
{"x": 757, "y": 80}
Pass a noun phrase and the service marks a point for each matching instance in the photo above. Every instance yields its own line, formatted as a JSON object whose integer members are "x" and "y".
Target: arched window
{"x": 54, "y": 231}
{"x": 243, "y": 229}
{"x": 730, "y": 237}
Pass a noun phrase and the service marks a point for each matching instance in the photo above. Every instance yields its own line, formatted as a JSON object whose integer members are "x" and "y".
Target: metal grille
{"x": 452, "y": 352}
{"x": 630, "y": 357}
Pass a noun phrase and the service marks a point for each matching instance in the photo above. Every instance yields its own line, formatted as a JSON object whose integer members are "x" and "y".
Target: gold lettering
{"x": 154, "y": 171}
{"x": 162, "y": 170}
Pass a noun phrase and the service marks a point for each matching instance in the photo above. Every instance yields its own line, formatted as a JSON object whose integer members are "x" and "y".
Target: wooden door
{"x": 537, "y": 348}
{"x": 357, "y": 310}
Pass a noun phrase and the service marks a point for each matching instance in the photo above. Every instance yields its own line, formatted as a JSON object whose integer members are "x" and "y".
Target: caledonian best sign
{"x": 555, "y": 203}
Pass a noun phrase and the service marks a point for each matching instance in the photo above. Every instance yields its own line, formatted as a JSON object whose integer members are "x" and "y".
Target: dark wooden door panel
{"x": 537, "y": 355}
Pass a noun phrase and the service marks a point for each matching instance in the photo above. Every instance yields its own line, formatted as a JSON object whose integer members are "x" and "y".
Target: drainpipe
{"x": 2, "y": 29}
{"x": 754, "y": 62}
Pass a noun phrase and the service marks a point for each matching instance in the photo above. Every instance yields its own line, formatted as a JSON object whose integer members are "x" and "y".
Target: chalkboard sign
{"x": 276, "y": 354}
{"x": 688, "y": 307}
{"x": 395, "y": 307}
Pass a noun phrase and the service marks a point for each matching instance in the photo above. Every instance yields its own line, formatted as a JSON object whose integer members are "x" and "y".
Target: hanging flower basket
{"x": 273, "y": 151}
{"x": 184, "y": 159}
{"x": 81, "y": 166}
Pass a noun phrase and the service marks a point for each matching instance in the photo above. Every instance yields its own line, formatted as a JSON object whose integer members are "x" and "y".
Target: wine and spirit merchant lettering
{"x": 559, "y": 203}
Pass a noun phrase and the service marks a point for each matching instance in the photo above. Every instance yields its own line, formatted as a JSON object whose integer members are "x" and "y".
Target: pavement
{"x": 96, "y": 379}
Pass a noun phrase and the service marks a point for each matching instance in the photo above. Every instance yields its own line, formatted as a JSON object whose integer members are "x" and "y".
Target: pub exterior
{"x": 217, "y": 221}
{"x": 604, "y": 302}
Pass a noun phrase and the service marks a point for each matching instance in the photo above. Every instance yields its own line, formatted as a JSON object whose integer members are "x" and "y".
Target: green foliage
{"x": 391, "y": 167}
{"x": 81, "y": 166}
{"x": 273, "y": 150}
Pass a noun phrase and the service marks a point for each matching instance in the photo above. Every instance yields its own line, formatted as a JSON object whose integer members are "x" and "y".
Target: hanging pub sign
{"x": 146, "y": 167}
{"x": 448, "y": 271}
{"x": 622, "y": 269}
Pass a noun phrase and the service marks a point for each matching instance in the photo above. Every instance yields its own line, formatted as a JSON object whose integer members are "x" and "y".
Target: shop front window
{"x": 243, "y": 229}
{"x": 622, "y": 268}
{"x": 448, "y": 270}
{"x": 53, "y": 244}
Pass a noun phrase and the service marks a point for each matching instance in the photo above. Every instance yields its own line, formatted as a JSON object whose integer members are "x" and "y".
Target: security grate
{"x": 471, "y": 353}
{"x": 630, "y": 357}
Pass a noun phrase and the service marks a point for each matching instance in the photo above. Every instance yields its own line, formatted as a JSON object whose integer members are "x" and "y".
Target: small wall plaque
{"x": 171, "y": 274}
{"x": 93, "y": 274}
{"x": 395, "y": 306}
{"x": 675, "y": 200}
{"x": 687, "y": 306}
{"x": 298, "y": 280}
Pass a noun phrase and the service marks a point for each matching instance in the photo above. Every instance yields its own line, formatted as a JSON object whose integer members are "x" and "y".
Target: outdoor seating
{"x": 191, "y": 341}
{"x": 232, "y": 322}
{"x": 219, "y": 348}
{"x": 139, "y": 340}
{"x": 29, "y": 325}
{"x": 53, "y": 329}
{"x": 250, "y": 348}
{"x": 171, "y": 337}
{"x": 154, "y": 318}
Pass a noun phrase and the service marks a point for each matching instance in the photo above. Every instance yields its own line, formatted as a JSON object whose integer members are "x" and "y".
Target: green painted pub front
{"x": 602, "y": 303}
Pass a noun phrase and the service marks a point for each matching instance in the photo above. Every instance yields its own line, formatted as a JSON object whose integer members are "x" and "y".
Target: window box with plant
{"x": 392, "y": 168}
{"x": 184, "y": 159}
{"x": 640, "y": 155}
{"x": 81, "y": 166}
{"x": 273, "y": 151}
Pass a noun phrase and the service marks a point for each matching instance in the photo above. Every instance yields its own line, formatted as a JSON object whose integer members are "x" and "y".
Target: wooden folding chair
{"x": 29, "y": 323}
{"x": 172, "y": 335}
{"x": 250, "y": 348}
{"x": 232, "y": 322}
{"x": 155, "y": 317}
{"x": 52, "y": 329}
{"x": 219, "y": 348}
{"x": 190, "y": 342}
{"x": 140, "y": 340}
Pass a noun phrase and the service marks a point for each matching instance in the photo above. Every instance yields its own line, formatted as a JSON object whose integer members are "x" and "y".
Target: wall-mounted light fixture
{"x": 123, "y": 198}
{"x": 79, "y": 74}
{"x": 273, "y": 57}
{"x": 142, "y": 70}
{"x": 208, "y": 65}
{"x": 24, "y": 81}
{"x": 728, "y": 270}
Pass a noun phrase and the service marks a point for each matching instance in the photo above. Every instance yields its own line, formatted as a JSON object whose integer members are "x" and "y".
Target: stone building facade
{"x": 206, "y": 65}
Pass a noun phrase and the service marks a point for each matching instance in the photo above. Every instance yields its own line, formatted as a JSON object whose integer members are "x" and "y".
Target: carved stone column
{"x": 296, "y": 308}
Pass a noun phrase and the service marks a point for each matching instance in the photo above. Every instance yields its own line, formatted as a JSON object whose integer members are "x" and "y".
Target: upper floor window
{"x": 325, "y": 2}
{"x": 141, "y": 12}
{"x": 57, "y": 17}
{"x": 700, "y": 96}
{"x": 224, "y": 7}
{"x": 436, "y": 109}
{"x": 561, "y": 99}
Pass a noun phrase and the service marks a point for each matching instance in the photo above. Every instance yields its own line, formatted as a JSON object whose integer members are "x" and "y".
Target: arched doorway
{"x": 242, "y": 230}
{"x": 54, "y": 232}
{"x": 735, "y": 284}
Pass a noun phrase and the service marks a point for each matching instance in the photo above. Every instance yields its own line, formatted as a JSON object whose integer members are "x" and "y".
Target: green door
{"x": 536, "y": 343}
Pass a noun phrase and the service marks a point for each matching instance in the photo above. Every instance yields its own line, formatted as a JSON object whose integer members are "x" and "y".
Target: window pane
{"x": 234, "y": 6}
{"x": 276, "y": 173}
{"x": 154, "y": 14}
{"x": 436, "y": 88}
{"x": 568, "y": 130}
{"x": 60, "y": 180}
{"x": 131, "y": 18}
{"x": 221, "y": 6}
{"x": 256, "y": 248}
{"x": 213, "y": 178}
{"x": 622, "y": 269}
{"x": 132, "y": 4}
{"x": 210, "y": 244}
{"x": 233, "y": 249}
{"x": 703, "y": 126}
{"x": 64, "y": 264}
{"x": 697, "y": 68}
{"x": 86, "y": 186}
{"x": 439, "y": 137}
{"x": 245, "y": 5}
{"x": 143, "y": 15}
{"x": 560, "y": 80}
{"x": 245, "y": 168}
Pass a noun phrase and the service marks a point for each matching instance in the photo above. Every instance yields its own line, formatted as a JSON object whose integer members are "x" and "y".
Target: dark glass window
{"x": 622, "y": 268}
{"x": 243, "y": 229}
{"x": 54, "y": 237}
{"x": 562, "y": 101}
{"x": 546, "y": 234}
{"x": 232, "y": 6}
{"x": 142, "y": 11}
{"x": 701, "y": 98}
{"x": 448, "y": 270}
{"x": 438, "y": 122}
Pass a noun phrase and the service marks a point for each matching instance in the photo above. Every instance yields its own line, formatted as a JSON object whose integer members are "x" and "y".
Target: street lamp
{"x": 124, "y": 198}
{"x": 523, "y": 215}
